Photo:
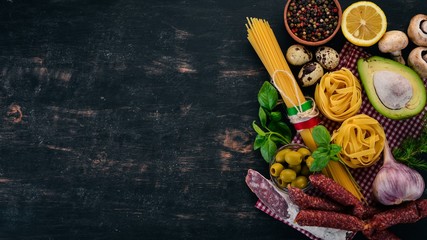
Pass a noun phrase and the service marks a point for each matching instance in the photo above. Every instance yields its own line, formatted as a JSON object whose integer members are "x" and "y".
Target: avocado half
{"x": 394, "y": 90}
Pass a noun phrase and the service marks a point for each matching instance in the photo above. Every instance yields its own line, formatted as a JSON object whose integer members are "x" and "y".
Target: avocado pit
{"x": 393, "y": 90}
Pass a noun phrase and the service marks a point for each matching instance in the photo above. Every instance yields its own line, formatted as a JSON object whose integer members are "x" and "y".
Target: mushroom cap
{"x": 417, "y": 30}
{"x": 393, "y": 41}
{"x": 417, "y": 60}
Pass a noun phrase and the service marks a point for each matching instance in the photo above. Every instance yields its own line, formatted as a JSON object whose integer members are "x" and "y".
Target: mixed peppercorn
{"x": 312, "y": 20}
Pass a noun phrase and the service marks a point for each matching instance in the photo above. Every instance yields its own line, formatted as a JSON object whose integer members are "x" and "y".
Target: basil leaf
{"x": 262, "y": 116}
{"x": 259, "y": 141}
{"x": 320, "y": 151}
{"x": 258, "y": 129}
{"x": 276, "y": 116}
{"x": 267, "y": 96}
{"x": 321, "y": 135}
{"x": 319, "y": 164}
{"x": 268, "y": 149}
{"x": 334, "y": 149}
{"x": 321, "y": 159}
{"x": 279, "y": 140}
{"x": 281, "y": 128}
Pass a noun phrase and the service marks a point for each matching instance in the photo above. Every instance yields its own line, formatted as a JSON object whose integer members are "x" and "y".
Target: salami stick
{"x": 404, "y": 214}
{"x": 267, "y": 194}
{"x": 337, "y": 193}
{"x": 422, "y": 207}
{"x": 305, "y": 201}
{"x": 370, "y": 212}
{"x": 329, "y": 219}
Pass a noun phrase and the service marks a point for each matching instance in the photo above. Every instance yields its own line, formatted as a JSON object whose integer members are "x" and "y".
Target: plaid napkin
{"x": 396, "y": 131}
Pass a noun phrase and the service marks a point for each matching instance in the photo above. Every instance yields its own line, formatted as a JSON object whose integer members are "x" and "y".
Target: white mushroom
{"x": 417, "y": 30}
{"x": 298, "y": 55}
{"x": 310, "y": 73}
{"x": 394, "y": 42}
{"x": 327, "y": 57}
{"x": 417, "y": 60}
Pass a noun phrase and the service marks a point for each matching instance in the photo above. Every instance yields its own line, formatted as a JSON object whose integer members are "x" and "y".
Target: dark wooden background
{"x": 131, "y": 119}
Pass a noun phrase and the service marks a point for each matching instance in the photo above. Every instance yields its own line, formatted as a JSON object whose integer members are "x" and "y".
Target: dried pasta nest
{"x": 338, "y": 95}
{"x": 362, "y": 139}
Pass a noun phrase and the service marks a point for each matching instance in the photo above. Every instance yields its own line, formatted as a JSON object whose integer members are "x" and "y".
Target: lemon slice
{"x": 363, "y": 23}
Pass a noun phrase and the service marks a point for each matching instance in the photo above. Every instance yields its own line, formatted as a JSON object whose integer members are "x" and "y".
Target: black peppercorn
{"x": 306, "y": 15}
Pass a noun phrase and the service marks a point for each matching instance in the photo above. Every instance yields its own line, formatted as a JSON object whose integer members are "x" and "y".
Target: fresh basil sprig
{"x": 325, "y": 149}
{"x": 272, "y": 131}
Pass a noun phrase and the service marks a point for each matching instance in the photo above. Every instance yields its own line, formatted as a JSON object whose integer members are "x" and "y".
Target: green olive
{"x": 304, "y": 152}
{"x": 287, "y": 175}
{"x": 293, "y": 158}
{"x": 280, "y": 156}
{"x": 300, "y": 182}
{"x": 281, "y": 183}
{"x": 296, "y": 168}
{"x": 305, "y": 171}
{"x": 309, "y": 161}
{"x": 275, "y": 169}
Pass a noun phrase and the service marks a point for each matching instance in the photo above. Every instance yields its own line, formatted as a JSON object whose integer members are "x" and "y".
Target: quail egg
{"x": 327, "y": 57}
{"x": 310, "y": 73}
{"x": 298, "y": 55}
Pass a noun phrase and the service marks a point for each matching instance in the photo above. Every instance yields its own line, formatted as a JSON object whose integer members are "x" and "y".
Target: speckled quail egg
{"x": 310, "y": 73}
{"x": 327, "y": 57}
{"x": 298, "y": 55}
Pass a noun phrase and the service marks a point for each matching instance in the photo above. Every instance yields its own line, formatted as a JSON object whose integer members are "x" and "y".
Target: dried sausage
{"x": 422, "y": 207}
{"x": 337, "y": 193}
{"x": 267, "y": 193}
{"x": 305, "y": 201}
{"x": 370, "y": 211}
{"x": 402, "y": 214}
{"x": 329, "y": 219}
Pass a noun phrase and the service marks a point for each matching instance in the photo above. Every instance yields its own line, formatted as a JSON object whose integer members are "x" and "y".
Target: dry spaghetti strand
{"x": 263, "y": 40}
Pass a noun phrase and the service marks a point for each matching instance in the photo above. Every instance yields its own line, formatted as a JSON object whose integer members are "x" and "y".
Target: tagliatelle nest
{"x": 362, "y": 140}
{"x": 338, "y": 95}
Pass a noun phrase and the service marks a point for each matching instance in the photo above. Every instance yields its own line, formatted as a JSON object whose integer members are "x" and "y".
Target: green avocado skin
{"x": 366, "y": 68}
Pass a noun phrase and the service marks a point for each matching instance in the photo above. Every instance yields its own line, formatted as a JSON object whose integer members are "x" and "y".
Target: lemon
{"x": 363, "y": 23}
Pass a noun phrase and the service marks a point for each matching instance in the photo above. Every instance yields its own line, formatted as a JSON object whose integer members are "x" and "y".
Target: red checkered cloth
{"x": 396, "y": 130}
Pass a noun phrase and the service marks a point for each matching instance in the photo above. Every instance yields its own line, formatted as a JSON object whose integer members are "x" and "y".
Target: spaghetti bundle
{"x": 338, "y": 95}
{"x": 263, "y": 40}
{"x": 362, "y": 140}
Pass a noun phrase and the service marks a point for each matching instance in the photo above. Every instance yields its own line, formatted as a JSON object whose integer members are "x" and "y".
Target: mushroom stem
{"x": 393, "y": 42}
{"x": 397, "y": 56}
